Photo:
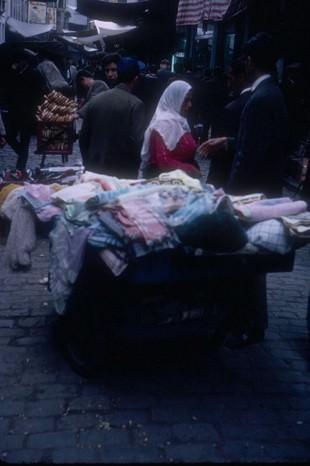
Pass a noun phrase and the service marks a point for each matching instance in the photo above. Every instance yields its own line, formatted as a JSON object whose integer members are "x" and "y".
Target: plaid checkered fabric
{"x": 270, "y": 235}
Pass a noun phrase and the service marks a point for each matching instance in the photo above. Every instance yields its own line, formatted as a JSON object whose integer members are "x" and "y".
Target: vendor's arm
{"x": 83, "y": 110}
{"x": 212, "y": 146}
{"x": 165, "y": 160}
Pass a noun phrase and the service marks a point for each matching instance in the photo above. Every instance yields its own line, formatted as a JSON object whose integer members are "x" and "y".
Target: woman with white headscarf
{"x": 168, "y": 143}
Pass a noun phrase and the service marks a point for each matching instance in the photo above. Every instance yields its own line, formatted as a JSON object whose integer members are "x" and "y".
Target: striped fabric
{"x": 192, "y": 12}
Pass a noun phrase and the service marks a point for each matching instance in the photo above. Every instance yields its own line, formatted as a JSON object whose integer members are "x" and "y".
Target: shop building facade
{"x": 45, "y": 12}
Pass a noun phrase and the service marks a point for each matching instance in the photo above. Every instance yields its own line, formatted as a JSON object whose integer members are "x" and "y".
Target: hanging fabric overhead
{"x": 192, "y": 12}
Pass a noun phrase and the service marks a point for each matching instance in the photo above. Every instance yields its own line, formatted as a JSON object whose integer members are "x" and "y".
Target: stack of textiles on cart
{"x": 25, "y": 199}
{"x": 127, "y": 219}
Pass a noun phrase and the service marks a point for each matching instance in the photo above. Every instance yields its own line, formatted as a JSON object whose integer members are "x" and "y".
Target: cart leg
{"x": 43, "y": 161}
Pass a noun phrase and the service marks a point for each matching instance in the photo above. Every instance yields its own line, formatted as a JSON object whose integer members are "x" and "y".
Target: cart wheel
{"x": 84, "y": 356}
{"x": 80, "y": 361}
{"x": 221, "y": 328}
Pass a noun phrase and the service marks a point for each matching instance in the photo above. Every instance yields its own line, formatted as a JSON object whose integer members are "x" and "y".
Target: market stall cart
{"x": 161, "y": 298}
{"x": 55, "y": 126}
{"x": 149, "y": 260}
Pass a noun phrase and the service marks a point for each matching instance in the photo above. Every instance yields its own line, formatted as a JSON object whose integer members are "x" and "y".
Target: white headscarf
{"x": 167, "y": 120}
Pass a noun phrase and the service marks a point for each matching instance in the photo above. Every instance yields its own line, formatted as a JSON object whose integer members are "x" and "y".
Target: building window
{"x": 2, "y": 7}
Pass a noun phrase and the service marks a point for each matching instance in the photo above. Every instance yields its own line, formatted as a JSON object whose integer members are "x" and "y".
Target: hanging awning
{"x": 192, "y": 12}
{"x": 108, "y": 28}
{"x": 75, "y": 18}
{"x": 154, "y": 37}
{"x": 99, "y": 30}
{"x": 10, "y": 50}
{"x": 27, "y": 29}
{"x": 89, "y": 49}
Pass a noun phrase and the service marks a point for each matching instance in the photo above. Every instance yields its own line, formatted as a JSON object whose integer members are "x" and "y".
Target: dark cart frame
{"x": 53, "y": 134}
{"x": 104, "y": 310}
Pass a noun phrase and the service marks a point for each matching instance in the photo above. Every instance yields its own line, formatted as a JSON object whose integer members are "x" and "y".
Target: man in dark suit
{"x": 261, "y": 144}
{"x": 113, "y": 127}
{"x": 257, "y": 167}
{"x": 238, "y": 83}
{"x": 260, "y": 147}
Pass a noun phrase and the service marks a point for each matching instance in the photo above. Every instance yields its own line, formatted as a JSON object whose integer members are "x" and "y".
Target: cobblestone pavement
{"x": 241, "y": 406}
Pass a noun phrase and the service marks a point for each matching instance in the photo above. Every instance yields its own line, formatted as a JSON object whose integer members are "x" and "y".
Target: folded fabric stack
{"x": 246, "y": 199}
{"x": 266, "y": 209}
{"x": 265, "y": 220}
{"x": 298, "y": 225}
{"x": 126, "y": 219}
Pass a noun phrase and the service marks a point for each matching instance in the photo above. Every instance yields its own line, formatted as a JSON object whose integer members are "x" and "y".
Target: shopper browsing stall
{"x": 168, "y": 143}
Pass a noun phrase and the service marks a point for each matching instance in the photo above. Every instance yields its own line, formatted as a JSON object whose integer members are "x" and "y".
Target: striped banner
{"x": 192, "y": 12}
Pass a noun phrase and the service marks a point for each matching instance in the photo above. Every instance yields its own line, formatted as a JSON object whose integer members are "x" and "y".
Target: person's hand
{"x": 2, "y": 141}
{"x": 211, "y": 146}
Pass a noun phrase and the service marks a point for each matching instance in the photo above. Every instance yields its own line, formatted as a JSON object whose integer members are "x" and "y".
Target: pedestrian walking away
{"x": 113, "y": 126}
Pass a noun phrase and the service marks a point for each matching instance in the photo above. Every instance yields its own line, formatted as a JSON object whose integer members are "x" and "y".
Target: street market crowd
{"x": 142, "y": 128}
{"x": 208, "y": 108}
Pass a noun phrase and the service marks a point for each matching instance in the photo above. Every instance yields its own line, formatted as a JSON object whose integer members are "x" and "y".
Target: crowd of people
{"x": 140, "y": 120}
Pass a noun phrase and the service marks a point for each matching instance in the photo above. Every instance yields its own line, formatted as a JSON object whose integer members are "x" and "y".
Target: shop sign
{"x": 50, "y": 15}
{"x": 37, "y": 12}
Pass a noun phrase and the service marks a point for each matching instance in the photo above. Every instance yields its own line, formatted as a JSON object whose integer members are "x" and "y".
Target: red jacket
{"x": 181, "y": 157}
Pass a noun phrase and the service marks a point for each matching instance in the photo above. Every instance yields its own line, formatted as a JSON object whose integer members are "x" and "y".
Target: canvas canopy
{"x": 100, "y": 30}
{"x": 26, "y": 29}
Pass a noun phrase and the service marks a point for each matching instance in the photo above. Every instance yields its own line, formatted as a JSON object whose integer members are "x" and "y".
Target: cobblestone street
{"x": 227, "y": 406}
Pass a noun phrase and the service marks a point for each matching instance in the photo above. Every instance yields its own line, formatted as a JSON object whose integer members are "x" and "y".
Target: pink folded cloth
{"x": 260, "y": 211}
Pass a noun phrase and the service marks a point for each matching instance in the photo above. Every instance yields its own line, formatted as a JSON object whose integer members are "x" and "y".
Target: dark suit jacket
{"x": 260, "y": 148}
{"x": 112, "y": 133}
{"x": 2, "y": 127}
{"x": 221, "y": 163}
{"x": 96, "y": 88}
{"x": 232, "y": 114}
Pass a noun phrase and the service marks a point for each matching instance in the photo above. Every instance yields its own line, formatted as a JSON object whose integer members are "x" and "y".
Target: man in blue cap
{"x": 113, "y": 127}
